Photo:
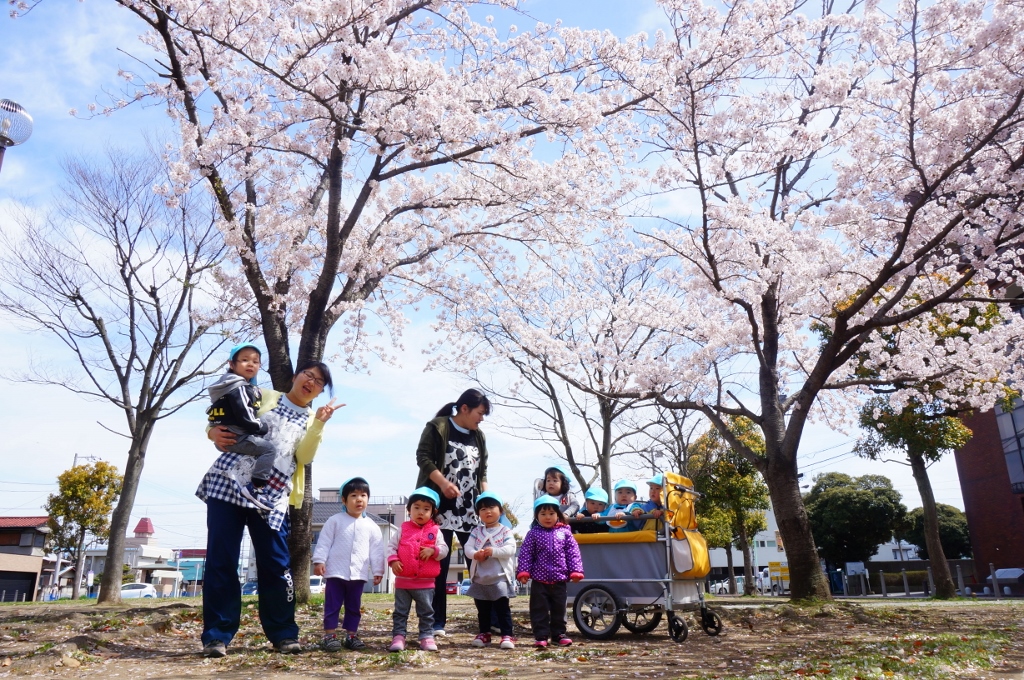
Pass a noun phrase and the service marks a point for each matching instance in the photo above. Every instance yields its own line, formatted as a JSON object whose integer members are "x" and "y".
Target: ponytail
{"x": 471, "y": 398}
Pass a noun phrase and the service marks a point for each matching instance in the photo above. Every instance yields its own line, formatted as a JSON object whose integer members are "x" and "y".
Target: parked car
{"x": 464, "y": 586}
{"x": 316, "y": 585}
{"x": 452, "y": 588}
{"x": 249, "y": 588}
{"x": 130, "y": 590}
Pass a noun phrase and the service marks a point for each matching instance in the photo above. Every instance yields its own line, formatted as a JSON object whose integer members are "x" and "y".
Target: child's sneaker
{"x": 540, "y": 643}
{"x": 507, "y": 642}
{"x": 252, "y": 494}
{"x": 397, "y": 644}
{"x": 427, "y": 644}
{"x": 564, "y": 641}
{"x": 353, "y": 642}
{"x": 482, "y": 640}
{"x": 330, "y": 643}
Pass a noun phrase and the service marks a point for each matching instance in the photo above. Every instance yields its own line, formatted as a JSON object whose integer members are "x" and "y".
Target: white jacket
{"x": 503, "y": 546}
{"x": 350, "y": 548}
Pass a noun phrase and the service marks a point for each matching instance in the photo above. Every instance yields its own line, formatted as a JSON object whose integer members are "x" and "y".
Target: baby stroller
{"x": 635, "y": 579}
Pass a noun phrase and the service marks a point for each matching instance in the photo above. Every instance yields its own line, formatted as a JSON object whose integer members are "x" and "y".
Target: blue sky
{"x": 64, "y": 55}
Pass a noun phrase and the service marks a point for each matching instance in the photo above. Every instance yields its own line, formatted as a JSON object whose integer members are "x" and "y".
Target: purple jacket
{"x": 550, "y": 555}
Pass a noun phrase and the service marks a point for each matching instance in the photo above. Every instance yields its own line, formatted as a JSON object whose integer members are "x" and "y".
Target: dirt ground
{"x": 761, "y": 638}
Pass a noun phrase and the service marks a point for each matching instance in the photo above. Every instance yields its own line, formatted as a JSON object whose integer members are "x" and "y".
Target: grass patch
{"x": 909, "y": 657}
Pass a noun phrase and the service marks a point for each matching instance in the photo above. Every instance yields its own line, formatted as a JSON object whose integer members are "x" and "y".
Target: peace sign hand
{"x": 324, "y": 413}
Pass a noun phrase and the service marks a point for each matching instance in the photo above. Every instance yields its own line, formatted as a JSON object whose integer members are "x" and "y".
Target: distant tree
{"x": 953, "y": 534}
{"x": 851, "y": 516}
{"x": 81, "y": 509}
{"x": 730, "y": 483}
{"x": 123, "y": 279}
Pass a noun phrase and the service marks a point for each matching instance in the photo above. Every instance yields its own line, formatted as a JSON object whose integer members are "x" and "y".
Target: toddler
{"x": 625, "y": 503}
{"x": 549, "y": 555}
{"x": 595, "y": 502}
{"x": 236, "y": 401}
{"x": 415, "y": 552}
{"x": 490, "y": 549}
{"x": 349, "y": 547}
{"x": 556, "y": 482}
{"x": 654, "y": 506}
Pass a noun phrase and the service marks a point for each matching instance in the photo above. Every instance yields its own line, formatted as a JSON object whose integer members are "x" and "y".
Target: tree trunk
{"x": 110, "y": 584}
{"x": 807, "y": 581}
{"x": 944, "y": 587}
{"x": 743, "y": 543}
{"x": 300, "y": 540}
{"x": 729, "y": 565}
{"x": 76, "y": 591}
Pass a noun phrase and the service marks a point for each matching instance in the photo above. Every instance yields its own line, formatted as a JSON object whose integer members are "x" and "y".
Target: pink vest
{"x": 417, "y": 573}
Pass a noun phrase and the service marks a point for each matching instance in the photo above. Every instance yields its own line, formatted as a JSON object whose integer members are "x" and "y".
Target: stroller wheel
{"x": 677, "y": 627}
{"x": 642, "y": 621}
{"x": 596, "y": 613}
{"x": 710, "y": 622}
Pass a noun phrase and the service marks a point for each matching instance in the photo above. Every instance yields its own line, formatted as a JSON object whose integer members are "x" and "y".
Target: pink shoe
{"x": 564, "y": 641}
{"x": 482, "y": 640}
{"x": 397, "y": 644}
{"x": 427, "y": 644}
{"x": 540, "y": 643}
{"x": 507, "y": 642}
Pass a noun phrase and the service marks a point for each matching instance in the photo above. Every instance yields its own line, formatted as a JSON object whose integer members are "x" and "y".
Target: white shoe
{"x": 439, "y": 632}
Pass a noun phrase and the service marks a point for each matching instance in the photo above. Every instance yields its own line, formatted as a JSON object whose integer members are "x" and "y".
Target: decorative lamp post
{"x": 15, "y": 126}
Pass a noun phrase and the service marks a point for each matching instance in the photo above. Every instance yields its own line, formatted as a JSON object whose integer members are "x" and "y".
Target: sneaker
{"x": 439, "y": 632}
{"x": 495, "y": 630}
{"x": 540, "y": 643}
{"x": 507, "y": 642}
{"x": 288, "y": 646}
{"x": 482, "y": 640}
{"x": 397, "y": 644}
{"x": 354, "y": 643}
{"x": 215, "y": 649}
{"x": 331, "y": 643}
{"x": 252, "y": 494}
{"x": 428, "y": 644}
{"x": 564, "y": 641}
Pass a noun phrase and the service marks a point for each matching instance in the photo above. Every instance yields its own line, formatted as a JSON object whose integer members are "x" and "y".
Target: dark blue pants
{"x": 222, "y": 593}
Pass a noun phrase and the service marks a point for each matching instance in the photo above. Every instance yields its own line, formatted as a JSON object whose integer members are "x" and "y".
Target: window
{"x": 771, "y": 544}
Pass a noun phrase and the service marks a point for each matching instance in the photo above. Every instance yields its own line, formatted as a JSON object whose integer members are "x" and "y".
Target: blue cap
{"x": 238, "y": 348}
{"x": 566, "y": 472}
{"x": 427, "y": 493}
{"x": 493, "y": 496}
{"x": 546, "y": 500}
{"x": 362, "y": 479}
{"x": 625, "y": 484}
{"x": 596, "y": 493}
{"x": 657, "y": 480}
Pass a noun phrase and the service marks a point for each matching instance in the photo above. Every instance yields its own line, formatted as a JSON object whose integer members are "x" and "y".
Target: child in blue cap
{"x": 490, "y": 550}
{"x": 655, "y": 505}
{"x": 236, "y": 401}
{"x": 595, "y": 501}
{"x": 557, "y": 482}
{"x": 625, "y": 503}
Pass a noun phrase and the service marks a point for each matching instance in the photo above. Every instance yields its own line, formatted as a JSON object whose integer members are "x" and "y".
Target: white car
{"x": 316, "y": 585}
{"x": 130, "y": 590}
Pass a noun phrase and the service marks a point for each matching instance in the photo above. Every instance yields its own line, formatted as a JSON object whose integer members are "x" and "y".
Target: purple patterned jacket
{"x": 550, "y": 555}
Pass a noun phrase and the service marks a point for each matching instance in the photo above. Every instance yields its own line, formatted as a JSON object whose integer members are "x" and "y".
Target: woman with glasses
{"x": 295, "y": 430}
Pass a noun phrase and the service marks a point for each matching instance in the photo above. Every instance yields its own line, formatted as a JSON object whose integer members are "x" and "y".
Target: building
{"x": 149, "y": 562}
{"x": 766, "y": 546}
{"x": 991, "y": 471}
{"x": 22, "y": 556}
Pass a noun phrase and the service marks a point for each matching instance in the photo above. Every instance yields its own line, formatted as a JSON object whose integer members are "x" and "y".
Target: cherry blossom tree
{"x": 351, "y": 146}
{"x": 813, "y": 182}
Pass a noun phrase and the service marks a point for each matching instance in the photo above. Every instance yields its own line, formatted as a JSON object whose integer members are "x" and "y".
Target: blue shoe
{"x": 252, "y": 494}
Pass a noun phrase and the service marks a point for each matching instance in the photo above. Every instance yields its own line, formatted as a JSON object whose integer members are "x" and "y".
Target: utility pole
{"x": 84, "y": 459}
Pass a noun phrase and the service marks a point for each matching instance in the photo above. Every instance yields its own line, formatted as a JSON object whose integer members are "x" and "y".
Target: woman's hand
{"x": 319, "y": 569}
{"x": 450, "y": 490}
{"x": 324, "y": 413}
{"x": 221, "y": 437}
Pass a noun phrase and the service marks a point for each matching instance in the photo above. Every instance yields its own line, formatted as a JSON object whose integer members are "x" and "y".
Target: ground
{"x": 762, "y": 638}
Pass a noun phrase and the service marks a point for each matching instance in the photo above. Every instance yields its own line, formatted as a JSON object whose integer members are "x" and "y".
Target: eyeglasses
{"x": 310, "y": 375}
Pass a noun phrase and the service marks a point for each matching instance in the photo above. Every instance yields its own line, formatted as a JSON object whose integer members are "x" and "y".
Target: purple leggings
{"x": 338, "y": 591}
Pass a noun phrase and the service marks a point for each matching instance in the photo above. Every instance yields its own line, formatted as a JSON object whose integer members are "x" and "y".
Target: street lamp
{"x": 15, "y": 126}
